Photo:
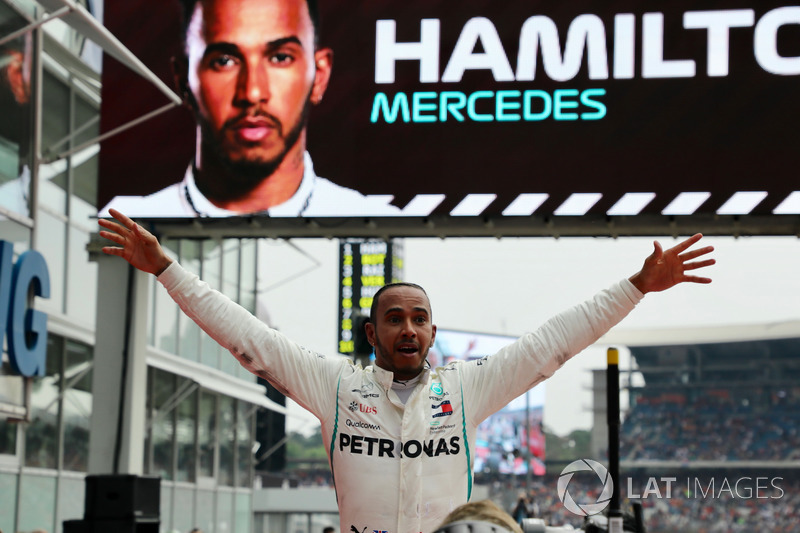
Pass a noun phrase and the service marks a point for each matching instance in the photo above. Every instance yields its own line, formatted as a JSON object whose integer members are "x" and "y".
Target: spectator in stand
{"x": 521, "y": 511}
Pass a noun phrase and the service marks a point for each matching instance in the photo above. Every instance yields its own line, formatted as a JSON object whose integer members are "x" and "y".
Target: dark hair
{"x": 373, "y": 310}
{"x": 187, "y": 10}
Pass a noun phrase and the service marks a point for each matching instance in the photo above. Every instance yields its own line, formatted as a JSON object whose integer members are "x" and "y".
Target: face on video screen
{"x": 251, "y": 71}
{"x": 484, "y": 108}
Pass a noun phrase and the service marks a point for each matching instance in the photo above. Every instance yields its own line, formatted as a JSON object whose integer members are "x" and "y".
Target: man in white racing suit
{"x": 400, "y": 434}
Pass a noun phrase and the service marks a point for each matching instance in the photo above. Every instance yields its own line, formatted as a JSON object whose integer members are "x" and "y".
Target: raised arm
{"x": 137, "y": 246}
{"x": 665, "y": 269}
{"x": 538, "y": 354}
{"x": 301, "y": 374}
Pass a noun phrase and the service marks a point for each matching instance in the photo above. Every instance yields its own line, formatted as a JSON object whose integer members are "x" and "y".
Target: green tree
{"x": 303, "y": 452}
{"x": 563, "y": 450}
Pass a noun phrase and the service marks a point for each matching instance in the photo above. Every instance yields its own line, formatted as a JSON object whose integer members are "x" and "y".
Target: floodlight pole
{"x": 612, "y": 391}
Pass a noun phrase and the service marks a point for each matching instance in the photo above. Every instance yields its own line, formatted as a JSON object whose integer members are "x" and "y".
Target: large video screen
{"x": 469, "y": 108}
{"x": 504, "y": 440}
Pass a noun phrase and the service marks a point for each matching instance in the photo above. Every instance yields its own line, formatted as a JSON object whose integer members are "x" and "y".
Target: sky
{"x": 512, "y": 285}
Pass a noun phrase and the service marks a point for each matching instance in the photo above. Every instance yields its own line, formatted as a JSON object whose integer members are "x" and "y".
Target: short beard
{"x": 249, "y": 174}
{"x": 382, "y": 348}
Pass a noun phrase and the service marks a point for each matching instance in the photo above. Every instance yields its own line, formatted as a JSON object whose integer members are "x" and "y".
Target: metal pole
{"x": 528, "y": 457}
{"x": 612, "y": 390}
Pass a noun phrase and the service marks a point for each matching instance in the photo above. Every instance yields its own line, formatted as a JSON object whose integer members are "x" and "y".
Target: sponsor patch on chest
{"x": 442, "y": 409}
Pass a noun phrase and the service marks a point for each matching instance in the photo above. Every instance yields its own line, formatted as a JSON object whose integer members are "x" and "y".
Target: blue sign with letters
{"x": 26, "y": 328}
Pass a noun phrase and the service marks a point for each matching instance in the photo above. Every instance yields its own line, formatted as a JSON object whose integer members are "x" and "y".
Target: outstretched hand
{"x": 137, "y": 246}
{"x": 665, "y": 269}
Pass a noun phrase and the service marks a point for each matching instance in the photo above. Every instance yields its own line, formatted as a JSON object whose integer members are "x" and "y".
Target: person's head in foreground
{"x": 482, "y": 516}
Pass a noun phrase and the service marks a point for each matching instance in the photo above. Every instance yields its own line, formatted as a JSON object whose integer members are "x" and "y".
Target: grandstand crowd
{"x": 712, "y": 428}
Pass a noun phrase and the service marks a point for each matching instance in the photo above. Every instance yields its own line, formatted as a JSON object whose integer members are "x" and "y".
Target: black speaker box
{"x": 143, "y": 525}
{"x": 122, "y": 497}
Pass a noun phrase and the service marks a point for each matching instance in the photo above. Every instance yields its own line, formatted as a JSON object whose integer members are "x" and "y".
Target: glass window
{"x": 210, "y": 351}
{"x": 165, "y": 311}
{"x": 68, "y": 107}
{"x": 8, "y": 437}
{"x": 185, "y": 437}
{"x": 61, "y": 408}
{"x": 230, "y": 287}
{"x": 204, "y": 517}
{"x": 225, "y": 510}
{"x": 84, "y": 184}
{"x": 86, "y": 125}
{"x": 230, "y": 269}
{"x": 212, "y": 256}
{"x": 299, "y": 523}
{"x": 16, "y": 233}
{"x": 244, "y": 513}
{"x": 84, "y": 163}
{"x": 37, "y": 503}
{"x": 244, "y": 445}
{"x": 227, "y": 439}
{"x": 81, "y": 280}
{"x": 55, "y": 126}
{"x": 11, "y": 394}
{"x": 41, "y": 434}
{"x": 77, "y": 409}
{"x": 15, "y": 101}
{"x": 161, "y": 423}
{"x": 12, "y": 391}
{"x": 72, "y": 39}
{"x": 183, "y": 505}
{"x": 247, "y": 281}
{"x": 189, "y": 339}
{"x": 8, "y": 504}
{"x": 207, "y": 433}
{"x": 247, "y": 289}
{"x": 53, "y": 246}
{"x": 167, "y": 509}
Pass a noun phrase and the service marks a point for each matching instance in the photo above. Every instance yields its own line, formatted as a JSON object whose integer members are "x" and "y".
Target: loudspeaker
{"x": 122, "y": 496}
{"x": 143, "y": 525}
{"x": 74, "y": 526}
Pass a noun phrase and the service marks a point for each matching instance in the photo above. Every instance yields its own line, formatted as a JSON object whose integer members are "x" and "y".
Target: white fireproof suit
{"x": 398, "y": 468}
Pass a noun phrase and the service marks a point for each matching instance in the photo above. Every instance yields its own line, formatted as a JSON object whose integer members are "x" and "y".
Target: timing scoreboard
{"x": 365, "y": 265}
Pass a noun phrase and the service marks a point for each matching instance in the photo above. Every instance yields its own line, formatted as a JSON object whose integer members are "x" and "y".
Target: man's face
{"x": 403, "y": 332}
{"x": 252, "y": 71}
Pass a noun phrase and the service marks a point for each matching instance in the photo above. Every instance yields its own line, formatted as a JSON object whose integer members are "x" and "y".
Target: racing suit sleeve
{"x": 492, "y": 383}
{"x": 305, "y": 376}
